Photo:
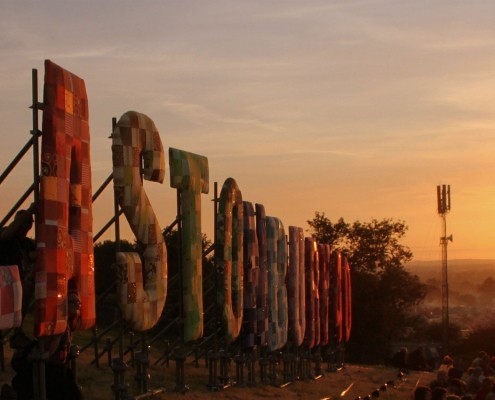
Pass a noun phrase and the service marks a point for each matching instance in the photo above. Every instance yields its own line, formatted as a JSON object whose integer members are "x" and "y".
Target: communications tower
{"x": 443, "y": 203}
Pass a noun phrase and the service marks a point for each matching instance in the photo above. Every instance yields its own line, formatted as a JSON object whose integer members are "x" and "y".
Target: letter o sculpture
{"x": 65, "y": 238}
{"x": 296, "y": 288}
{"x": 229, "y": 258}
{"x": 141, "y": 294}
{"x": 277, "y": 291}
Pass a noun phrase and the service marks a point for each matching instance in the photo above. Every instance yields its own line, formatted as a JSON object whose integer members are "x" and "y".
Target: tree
{"x": 384, "y": 292}
{"x": 104, "y": 256}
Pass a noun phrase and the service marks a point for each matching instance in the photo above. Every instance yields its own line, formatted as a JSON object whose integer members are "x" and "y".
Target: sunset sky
{"x": 358, "y": 109}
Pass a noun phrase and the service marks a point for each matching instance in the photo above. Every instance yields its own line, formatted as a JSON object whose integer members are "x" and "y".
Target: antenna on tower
{"x": 443, "y": 205}
{"x": 443, "y": 199}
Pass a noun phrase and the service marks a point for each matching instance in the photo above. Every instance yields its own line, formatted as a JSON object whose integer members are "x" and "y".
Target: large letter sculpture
{"x": 251, "y": 274}
{"x": 262, "y": 309}
{"x": 312, "y": 337}
{"x": 324, "y": 291}
{"x": 336, "y": 297}
{"x": 229, "y": 258}
{"x": 65, "y": 240}
{"x": 277, "y": 291}
{"x": 347, "y": 300}
{"x": 295, "y": 286}
{"x": 189, "y": 174}
{"x": 136, "y": 144}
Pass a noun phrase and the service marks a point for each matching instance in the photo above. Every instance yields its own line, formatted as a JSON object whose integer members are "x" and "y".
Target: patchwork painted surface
{"x": 141, "y": 291}
{"x": 336, "y": 328}
{"x": 229, "y": 258}
{"x": 347, "y": 300}
{"x": 10, "y": 297}
{"x": 277, "y": 291}
{"x": 262, "y": 308}
{"x": 65, "y": 237}
{"x": 189, "y": 175}
{"x": 251, "y": 275}
{"x": 312, "y": 336}
{"x": 296, "y": 289}
{"x": 324, "y": 291}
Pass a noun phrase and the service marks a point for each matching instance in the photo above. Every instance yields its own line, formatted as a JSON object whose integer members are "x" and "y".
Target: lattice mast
{"x": 443, "y": 203}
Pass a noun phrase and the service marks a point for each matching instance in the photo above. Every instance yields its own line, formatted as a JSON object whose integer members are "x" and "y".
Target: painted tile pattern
{"x": 312, "y": 336}
{"x": 141, "y": 288}
{"x": 229, "y": 258}
{"x": 324, "y": 291}
{"x": 251, "y": 277}
{"x": 189, "y": 175}
{"x": 296, "y": 289}
{"x": 336, "y": 297}
{"x": 277, "y": 291}
{"x": 262, "y": 308}
{"x": 65, "y": 238}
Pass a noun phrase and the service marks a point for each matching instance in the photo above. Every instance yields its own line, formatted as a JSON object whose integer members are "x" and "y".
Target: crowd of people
{"x": 453, "y": 383}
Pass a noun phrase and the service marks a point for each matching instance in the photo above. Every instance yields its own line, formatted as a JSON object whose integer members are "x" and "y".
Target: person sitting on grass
{"x": 422, "y": 393}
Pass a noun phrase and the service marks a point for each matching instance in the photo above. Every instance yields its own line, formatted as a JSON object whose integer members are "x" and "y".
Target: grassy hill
{"x": 349, "y": 383}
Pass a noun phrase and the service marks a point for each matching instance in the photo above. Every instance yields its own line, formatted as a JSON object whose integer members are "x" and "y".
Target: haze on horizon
{"x": 355, "y": 108}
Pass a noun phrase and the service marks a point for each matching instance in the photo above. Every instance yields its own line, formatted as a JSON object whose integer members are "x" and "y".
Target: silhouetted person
{"x": 446, "y": 364}
{"x": 422, "y": 393}
{"x": 442, "y": 380}
{"x": 399, "y": 359}
{"x": 486, "y": 388}
{"x": 456, "y": 386}
{"x": 416, "y": 360}
{"x": 473, "y": 382}
{"x": 439, "y": 393}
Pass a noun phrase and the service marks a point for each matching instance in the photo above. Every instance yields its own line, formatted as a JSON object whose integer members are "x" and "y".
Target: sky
{"x": 354, "y": 108}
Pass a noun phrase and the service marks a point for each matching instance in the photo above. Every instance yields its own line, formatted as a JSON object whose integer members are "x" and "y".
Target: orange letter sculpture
{"x": 65, "y": 240}
{"x": 347, "y": 300}
{"x": 336, "y": 306}
{"x": 324, "y": 291}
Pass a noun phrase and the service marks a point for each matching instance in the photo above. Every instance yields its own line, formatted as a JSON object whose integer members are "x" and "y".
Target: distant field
{"x": 471, "y": 286}
{"x": 472, "y": 270}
